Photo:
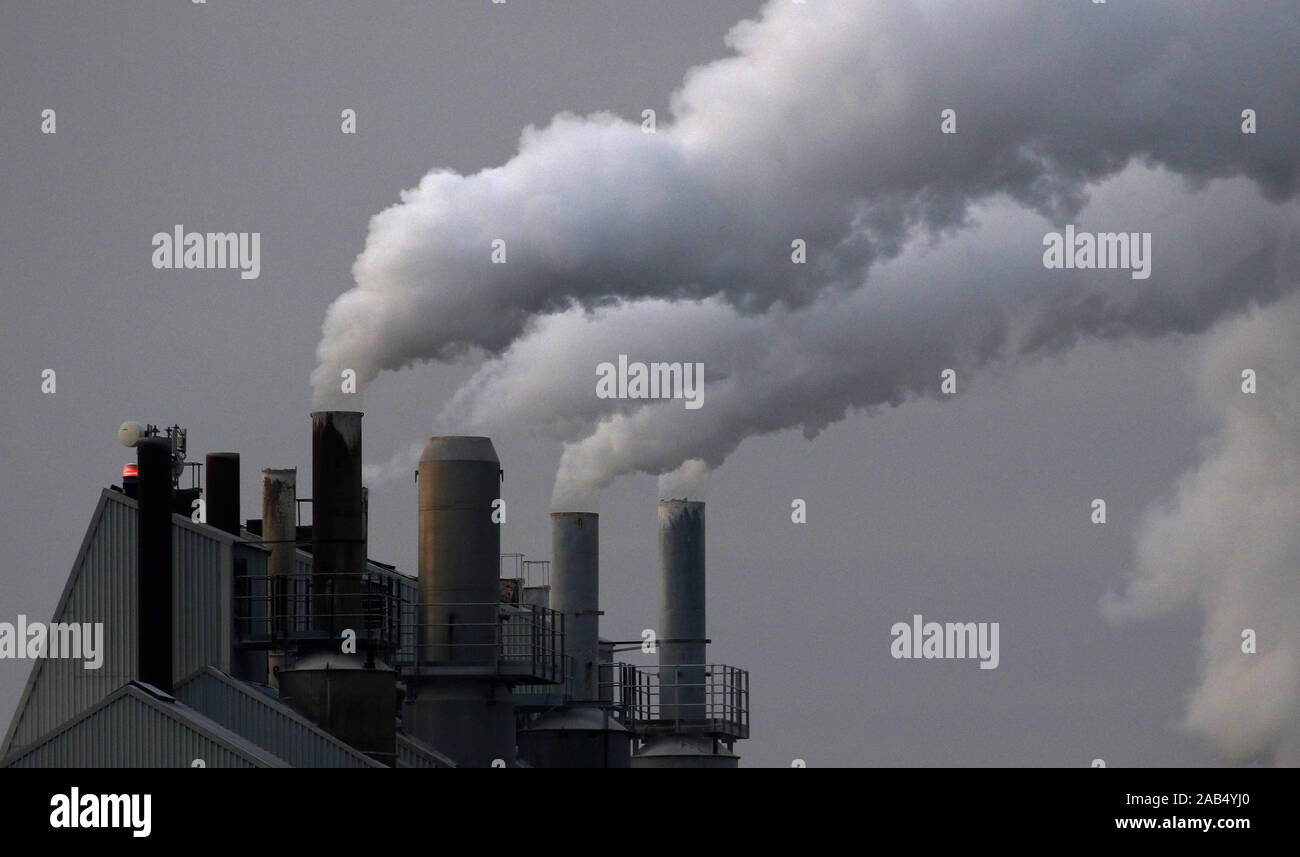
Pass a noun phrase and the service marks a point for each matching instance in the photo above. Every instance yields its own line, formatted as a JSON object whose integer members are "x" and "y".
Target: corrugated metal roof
{"x": 149, "y": 729}
{"x": 102, "y": 588}
{"x": 256, "y": 715}
{"x": 414, "y": 753}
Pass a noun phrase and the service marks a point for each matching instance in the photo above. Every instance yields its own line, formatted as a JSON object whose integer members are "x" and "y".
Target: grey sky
{"x": 225, "y": 117}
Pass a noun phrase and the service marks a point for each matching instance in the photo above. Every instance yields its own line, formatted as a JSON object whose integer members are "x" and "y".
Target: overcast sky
{"x": 225, "y": 116}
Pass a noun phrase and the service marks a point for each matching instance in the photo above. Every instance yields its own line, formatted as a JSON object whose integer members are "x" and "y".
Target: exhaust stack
{"x": 459, "y": 551}
{"x": 223, "y": 491}
{"x": 575, "y": 592}
{"x": 338, "y": 531}
{"x": 279, "y": 533}
{"x": 352, "y": 696}
{"x": 456, "y": 698}
{"x": 681, "y": 609}
{"x": 154, "y": 563}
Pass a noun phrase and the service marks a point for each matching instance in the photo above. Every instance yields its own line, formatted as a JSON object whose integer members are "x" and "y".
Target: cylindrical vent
{"x": 338, "y": 536}
{"x": 154, "y": 564}
{"x": 575, "y": 592}
{"x": 681, "y": 610}
{"x": 279, "y": 532}
{"x": 222, "y": 499}
{"x": 460, "y": 550}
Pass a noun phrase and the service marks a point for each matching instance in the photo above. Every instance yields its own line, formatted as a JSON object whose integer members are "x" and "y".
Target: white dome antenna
{"x": 129, "y": 433}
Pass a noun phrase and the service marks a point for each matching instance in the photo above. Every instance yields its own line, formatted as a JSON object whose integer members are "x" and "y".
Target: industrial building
{"x": 269, "y": 643}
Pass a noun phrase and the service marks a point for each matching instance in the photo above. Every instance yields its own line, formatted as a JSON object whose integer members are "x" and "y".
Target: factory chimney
{"x": 575, "y": 592}
{"x": 222, "y": 499}
{"x": 583, "y": 733}
{"x": 338, "y": 536}
{"x": 351, "y": 695}
{"x": 279, "y": 533}
{"x": 456, "y": 698}
{"x": 689, "y": 739}
{"x": 154, "y": 563}
{"x": 681, "y": 609}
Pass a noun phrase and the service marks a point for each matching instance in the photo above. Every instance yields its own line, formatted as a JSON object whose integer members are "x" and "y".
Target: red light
{"x": 130, "y": 470}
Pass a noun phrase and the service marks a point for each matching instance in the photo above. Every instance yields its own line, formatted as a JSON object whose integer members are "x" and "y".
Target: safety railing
{"x": 708, "y": 699}
{"x": 275, "y": 611}
{"x": 520, "y": 640}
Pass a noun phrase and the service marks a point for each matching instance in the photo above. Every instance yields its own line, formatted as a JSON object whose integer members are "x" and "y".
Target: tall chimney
{"x": 681, "y": 609}
{"x": 154, "y": 563}
{"x": 351, "y": 695}
{"x": 279, "y": 532}
{"x": 575, "y": 592}
{"x": 457, "y": 699}
{"x": 338, "y": 536}
{"x": 460, "y": 549}
{"x": 223, "y": 491}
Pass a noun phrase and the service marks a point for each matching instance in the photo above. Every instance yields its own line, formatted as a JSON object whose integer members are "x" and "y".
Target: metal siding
{"x": 267, "y": 724}
{"x": 408, "y": 757}
{"x": 129, "y": 734}
{"x": 200, "y": 562}
{"x": 102, "y": 589}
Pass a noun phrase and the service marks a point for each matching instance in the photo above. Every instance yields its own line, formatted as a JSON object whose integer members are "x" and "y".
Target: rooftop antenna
{"x": 130, "y": 433}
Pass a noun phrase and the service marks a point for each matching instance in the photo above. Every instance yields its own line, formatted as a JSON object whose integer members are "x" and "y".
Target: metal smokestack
{"x": 350, "y": 695}
{"x": 222, "y": 499}
{"x": 279, "y": 532}
{"x": 575, "y": 592}
{"x": 460, "y": 549}
{"x": 681, "y": 609}
{"x": 154, "y": 563}
{"x": 456, "y": 697}
{"x": 338, "y": 533}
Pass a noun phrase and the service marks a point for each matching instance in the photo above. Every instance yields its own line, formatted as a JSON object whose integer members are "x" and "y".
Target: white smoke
{"x": 401, "y": 465}
{"x": 688, "y": 482}
{"x": 1228, "y": 542}
{"x": 978, "y": 296}
{"x": 823, "y": 127}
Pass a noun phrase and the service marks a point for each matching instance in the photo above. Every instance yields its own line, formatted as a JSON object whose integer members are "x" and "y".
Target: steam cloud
{"x": 1229, "y": 542}
{"x": 825, "y": 127}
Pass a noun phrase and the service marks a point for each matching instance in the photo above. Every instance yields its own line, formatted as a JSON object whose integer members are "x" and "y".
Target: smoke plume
{"x": 824, "y": 126}
{"x": 1228, "y": 542}
{"x": 923, "y": 248}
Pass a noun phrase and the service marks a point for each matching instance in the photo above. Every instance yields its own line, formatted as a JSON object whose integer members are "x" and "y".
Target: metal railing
{"x": 285, "y": 611}
{"x": 274, "y": 611}
{"x": 512, "y": 639}
{"x": 708, "y": 699}
{"x": 530, "y": 572}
